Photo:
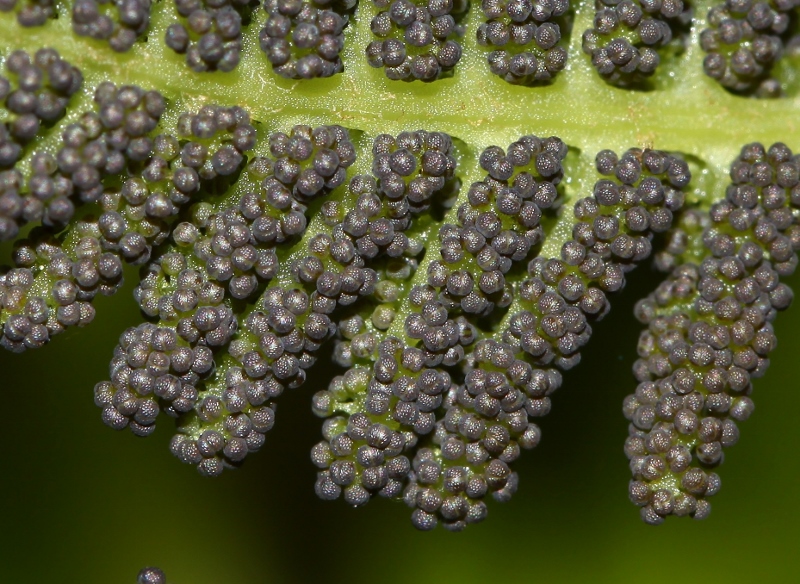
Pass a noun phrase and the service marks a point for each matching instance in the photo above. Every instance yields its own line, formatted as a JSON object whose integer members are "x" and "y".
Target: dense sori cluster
{"x": 303, "y": 40}
{"x": 744, "y": 42}
{"x": 110, "y": 160}
{"x": 401, "y": 435}
{"x": 34, "y": 91}
{"x": 136, "y": 184}
{"x": 524, "y": 38}
{"x": 709, "y": 333}
{"x": 455, "y": 281}
{"x": 93, "y": 18}
{"x": 281, "y": 335}
{"x": 229, "y": 255}
{"x": 418, "y": 40}
{"x": 209, "y": 33}
{"x": 627, "y": 36}
{"x": 436, "y": 407}
{"x": 422, "y": 40}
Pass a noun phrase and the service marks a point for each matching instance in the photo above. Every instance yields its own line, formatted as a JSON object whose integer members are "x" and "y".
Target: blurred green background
{"x": 83, "y": 504}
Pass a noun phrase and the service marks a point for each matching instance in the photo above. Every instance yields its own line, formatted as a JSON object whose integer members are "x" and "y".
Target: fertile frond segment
{"x": 303, "y": 40}
{"x": 439, "y": 412}
{"x": 419, "y": 40}
{"x": 262, "y": 167}
{"x": 709, "y": 333}
{"x": 525, "y": 39}
{"x": 34, "y": 90}
{"x": 227, "y": 256}
{"x": 118, "y": 22}
{"x": 745, "y": 41}
{"x": 629, "y": 36}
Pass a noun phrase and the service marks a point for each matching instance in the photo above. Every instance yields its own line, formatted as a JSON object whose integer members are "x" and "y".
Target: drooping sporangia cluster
{"x": 455, "y": 283}
{"x": 709, "y": 332}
